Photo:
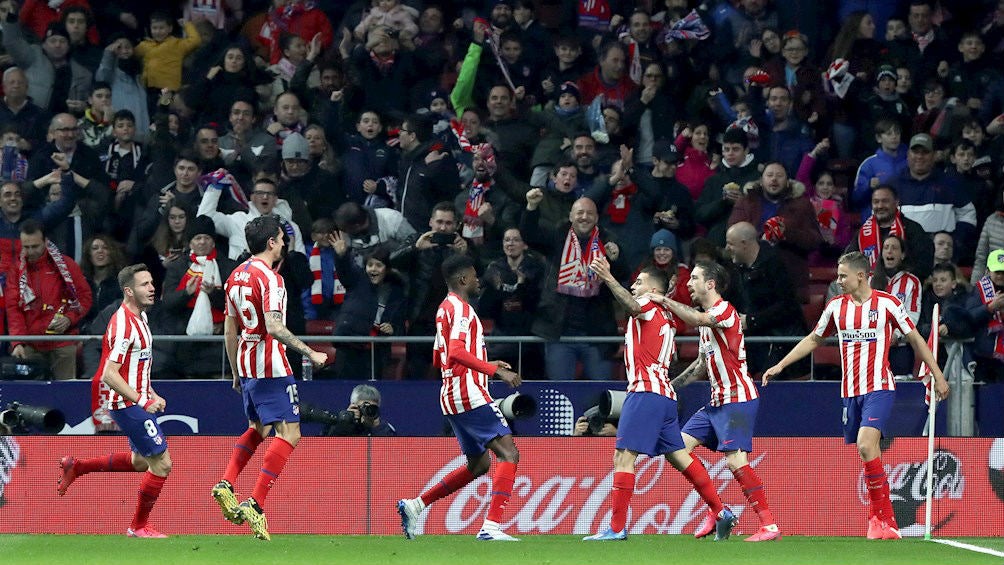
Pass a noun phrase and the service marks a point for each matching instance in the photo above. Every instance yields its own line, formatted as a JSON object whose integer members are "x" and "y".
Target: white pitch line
{"x": 970, "y": 547}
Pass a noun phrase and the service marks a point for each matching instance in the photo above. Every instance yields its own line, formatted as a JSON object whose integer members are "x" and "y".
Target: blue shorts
{"x": 649, "y": 424}
{"x": 728, "y": 427}
{"x": 475, "y": 429}
{"x": 268, "y": 401}
{"x": 868, "y": 410}
{"x": 142, "y": 429}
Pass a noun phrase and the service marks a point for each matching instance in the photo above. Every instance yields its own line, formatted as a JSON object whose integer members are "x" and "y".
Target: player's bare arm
{"x": 230, "y": 341}
{"x": 278, "y": 330}
{"x": 114, "y": 380}
{"x": 696, "y": 370}
{"x": 925, "y": 355}
{"x": 803, "y": 348}
{"x": 509, "y": 376}
{"x": 690, "y": 316}
{"x": 601, "y": 267}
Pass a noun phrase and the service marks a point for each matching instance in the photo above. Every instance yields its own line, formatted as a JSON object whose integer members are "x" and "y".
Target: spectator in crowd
{"x": 487, "y": 209}
{"x": 245, "y": 147}
{"x": 427, "y": 173}
{"x": 376, "y": 305}
{"x": 953, "y": 321}
{"x": 892, "y": 275}
{"x": 121, "y": 69}
{"x": 883, "y": 166}
{"x": 650, "y": 111}
{"x": 764, "y": 295}
{"x": 423, "y": 260}
{"x": 299, "y": 17}
{"x": 665, "y": 255}
{"x": 573, "y": 303}
{"x": 36, "y": 16}
{"x": 609, "y": 78}
{"x": 67, "y": 153}
{"x": 562, "y": 121}
{"x": 388, "y": 75}
{"x": 364, "y": 408}
{"x": 371, "y": 165}
{"x": 13, "y": 214}
{"x": 557, "y": 197}
{"x": 722, "y": 191}
{"x": 991, "y": 237}
{"x": 324, "y": 298}
{"x": 985, "y": 306}
{"x": 163, "y": 53}
{"x": 103, "y": 259}
{"x": 193, "y": 301}
{"x": 166, "y": 243}
{"x": 787, "y": 138}
{"x": 294, "y": 55}
{"x": 322, "y": 154}
{"x": 58, "y": 84}
{"x": 887, "y": 219}
{"x": 566, "y": 65}
{"x": 310, "y": 192}
{"x": 931, "y": 199}
{"x": 930, "y": 51}
{"x": 264, "y": 201}
{"x": 698, "y": 165}
{"x": 510, "y": 297}
{"x": 286, "y": 119}
{"x": 368, "y": 227}
{"x": 834, "y": 223}
{"x": 19, "y": 110}
{"x": 82, "y": 35}
{"x": 46, "y": 294}
{"x": 780, "y": 212}
{"x": 182, "y": 191}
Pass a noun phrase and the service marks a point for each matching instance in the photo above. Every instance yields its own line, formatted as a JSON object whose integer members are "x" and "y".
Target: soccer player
{"x": 459, "y": 352}
{"x": 725, "y": 424}
{"x": 865, "y": 320}
{"x": 648, "y": 423}
{"x": 126, "y": 358}
{"x": 256, "y": 306}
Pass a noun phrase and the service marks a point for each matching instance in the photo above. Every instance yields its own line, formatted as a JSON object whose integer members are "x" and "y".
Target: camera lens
{"x": 369, "y": 410}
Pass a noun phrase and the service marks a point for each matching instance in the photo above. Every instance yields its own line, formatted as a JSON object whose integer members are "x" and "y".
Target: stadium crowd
{"x": 532, "y": 135}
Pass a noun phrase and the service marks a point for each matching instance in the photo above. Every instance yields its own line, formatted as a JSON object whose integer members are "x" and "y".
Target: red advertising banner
{"x": 350, "y": 486}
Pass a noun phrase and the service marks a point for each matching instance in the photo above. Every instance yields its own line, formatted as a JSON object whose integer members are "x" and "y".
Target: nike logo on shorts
{"x": 870, "y": 419}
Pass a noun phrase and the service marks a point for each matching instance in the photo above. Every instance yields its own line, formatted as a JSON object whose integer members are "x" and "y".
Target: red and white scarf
{"x": 28, "y": 295}
{"x": 574, "y": 276}
{"x": 203, "y": 316}
{"x": 473, "y": 225}
{"x": 925, "y": 373}
{"x": 316, "y": 294}
{"x": 996, "y": 324}
{"x": 870, "y": 241}
{"x": 620, "y": 203}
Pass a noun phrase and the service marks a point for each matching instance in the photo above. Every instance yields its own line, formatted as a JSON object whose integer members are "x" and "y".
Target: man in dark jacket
{"x": 428, "y": 174}
{"x": 722, "y": 190}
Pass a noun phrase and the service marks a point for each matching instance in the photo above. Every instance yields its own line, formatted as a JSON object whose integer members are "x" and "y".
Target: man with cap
{"x": 882, "y": 102}
{"x": 193, "y": 301}
{"x": 58, "y": 84}
{"x": 986, "y": 311}
{"x": 561, "y": 122}
{"x": 312, "y": 193}
{"x": 931, "y": 198}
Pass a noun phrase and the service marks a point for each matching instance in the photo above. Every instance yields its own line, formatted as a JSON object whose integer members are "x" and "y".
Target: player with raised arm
{"x": 725, "y": 424}
{"x": 126, "y": 359}
{"x": 648, "y": 423}
{"x": 864, "y": 320}
{"x": 256, "y": 307}
{"x": 459, "y": 352}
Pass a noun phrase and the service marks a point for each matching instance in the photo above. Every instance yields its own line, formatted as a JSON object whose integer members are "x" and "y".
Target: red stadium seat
{"x": 813, "y": 309}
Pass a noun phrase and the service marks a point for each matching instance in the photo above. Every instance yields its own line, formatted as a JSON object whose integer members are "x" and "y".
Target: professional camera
{"x": 517, "y": 406}
{"x": 21, "y": 418}
{"x": 367, "y": 410}
{"x": 342, "y": 423}
{"x": 607, "y": 411}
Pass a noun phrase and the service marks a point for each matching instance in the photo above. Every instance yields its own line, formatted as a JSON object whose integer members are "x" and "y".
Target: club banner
{"x": 350, "y": 486}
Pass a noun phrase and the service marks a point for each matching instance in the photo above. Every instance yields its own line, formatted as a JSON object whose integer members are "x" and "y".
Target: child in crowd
{"x": 163, "y": 55}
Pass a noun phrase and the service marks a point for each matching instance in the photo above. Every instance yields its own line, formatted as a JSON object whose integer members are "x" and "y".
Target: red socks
{"x": 623, "y": 489}
{"x": 502, "y": 481}
{"x": 275, "y": 459}
{"x": 698, "y": 476}
{"x": 451, "y": 483}
{"x": 149, "y": 490}
{"x": 753, "y": 489}
{"x": 120, "y": 462}
{"x": 243, "y": 451}
{"x": 878, "y": 491}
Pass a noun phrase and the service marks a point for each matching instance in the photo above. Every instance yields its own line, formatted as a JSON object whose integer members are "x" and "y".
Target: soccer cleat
{"x": 251, "y": 512}
{"x": 223, "y": 493}
{"x": 765, "y": 535}
{"x": 607, "y": 535}
{"x": 724, "y": 524}
{"x": 67, "y": 464}
{"x": 874, "y": 528}
{"x": 492, "y": 534}
{"x": 409, "y": 509}
{"x": 144, "y": 532}
{"x": 707, "y": 526}
{"x": 890, "y": 532}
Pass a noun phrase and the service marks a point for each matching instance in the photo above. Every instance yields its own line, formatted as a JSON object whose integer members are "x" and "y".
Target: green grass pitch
{"x": 465, "y": 550}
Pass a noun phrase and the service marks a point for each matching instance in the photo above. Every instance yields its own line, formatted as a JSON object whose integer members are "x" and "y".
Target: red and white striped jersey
{"x": 906, "y": 287}
{"x": 724, "y": 352}
{"x": 252, "y": 290}
{"x": 127, "y": 341}
{"x": 463, "y": 389}
{"x": 649, "y": 344}
{"x": 865, "y": 332}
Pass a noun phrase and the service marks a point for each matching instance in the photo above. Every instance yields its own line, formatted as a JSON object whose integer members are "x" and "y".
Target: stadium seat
{"x": 813, "y": 309}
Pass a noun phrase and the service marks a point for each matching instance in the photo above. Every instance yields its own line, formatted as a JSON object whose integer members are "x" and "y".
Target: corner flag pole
{"x": 932, "y": 403}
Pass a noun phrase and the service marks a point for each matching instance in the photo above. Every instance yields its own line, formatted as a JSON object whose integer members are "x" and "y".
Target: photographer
{"x": 362, "y": 417}
{"x": 592, "y": 423}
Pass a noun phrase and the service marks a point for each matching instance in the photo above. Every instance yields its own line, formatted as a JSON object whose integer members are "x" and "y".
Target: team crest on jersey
{"x": 296, "y": 409}
{"x": 464, "y": 325}
{"x": 901, "y": 296}
{"x": 873, "y": 315}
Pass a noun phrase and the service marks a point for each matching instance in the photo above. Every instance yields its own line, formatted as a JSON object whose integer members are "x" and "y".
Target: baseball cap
{"x": 886, "y": 71}
{"x": 664, "y": 150}
{"x": 995, "y": 261}
{"x": 922, "y": 140}
{"x": 569, "y": 87}
{"x": 56, "y": 28}
{"x": 295, "y": 147}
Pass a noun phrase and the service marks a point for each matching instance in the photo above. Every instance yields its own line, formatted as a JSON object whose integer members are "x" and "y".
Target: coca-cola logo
{"x": 579, "y": 501}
